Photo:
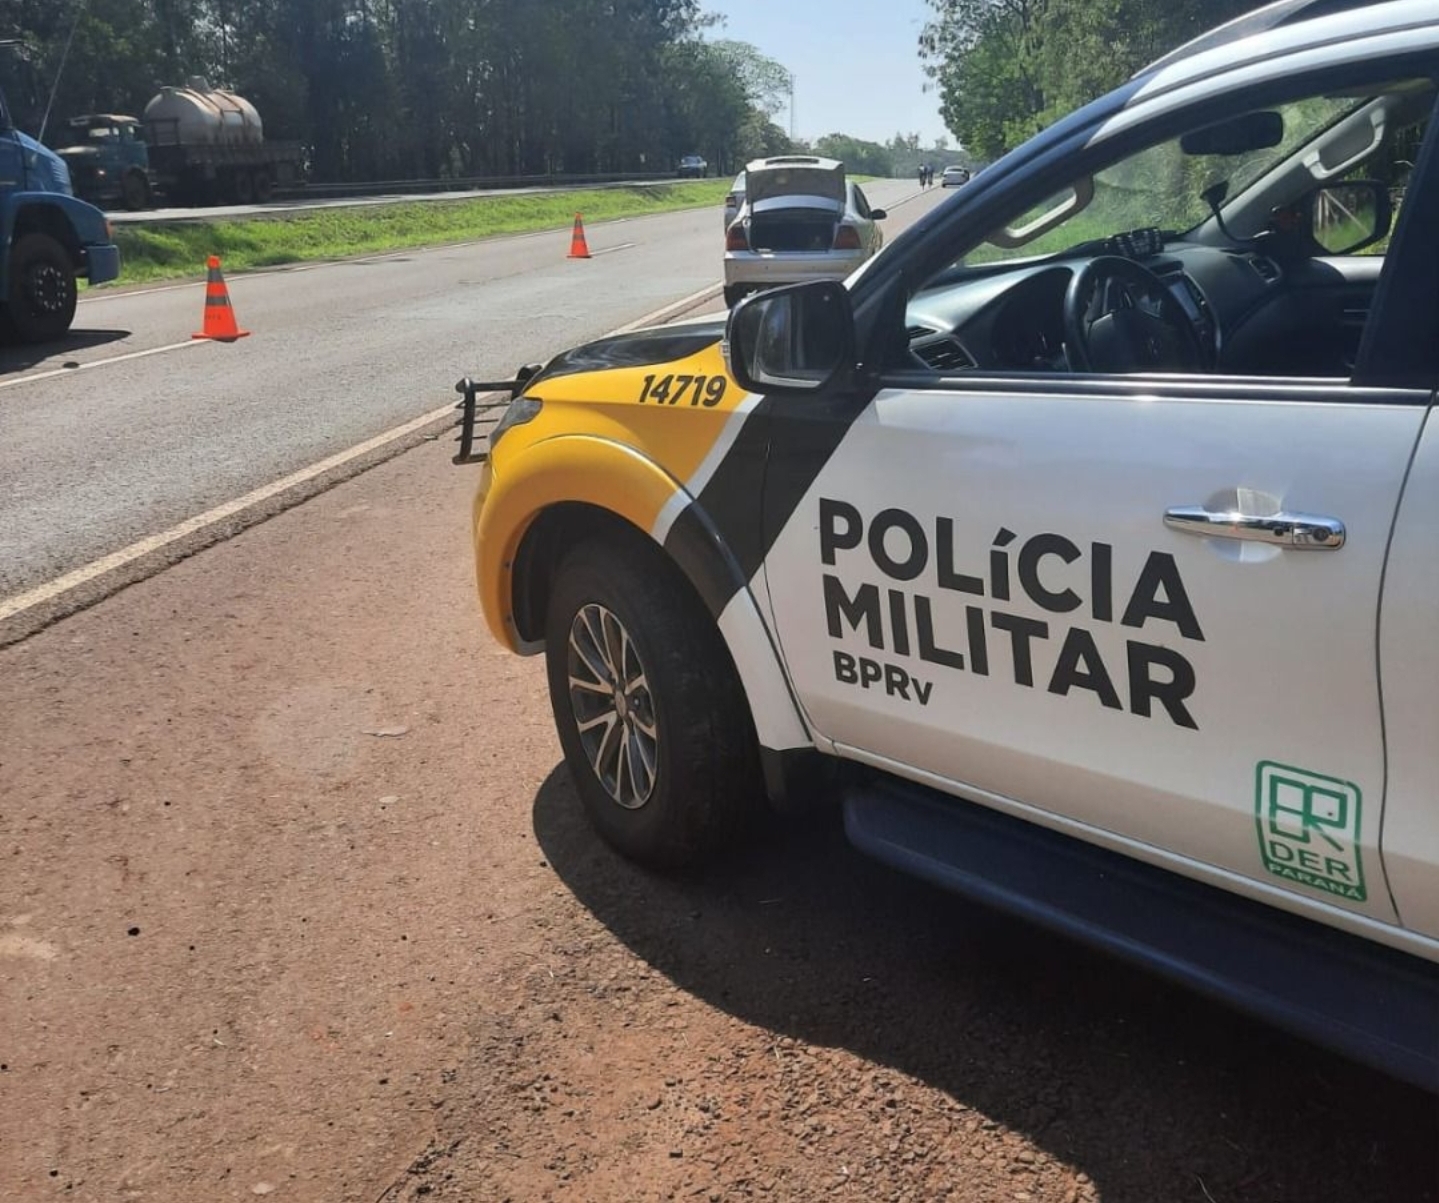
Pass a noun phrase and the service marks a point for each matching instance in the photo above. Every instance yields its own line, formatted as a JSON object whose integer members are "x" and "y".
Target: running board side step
{"x": 1367, "y": 1001}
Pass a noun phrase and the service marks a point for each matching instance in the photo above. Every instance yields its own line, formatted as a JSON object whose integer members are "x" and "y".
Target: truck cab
{"x": 108, "y": 160}
{"x": 49, "y": 240}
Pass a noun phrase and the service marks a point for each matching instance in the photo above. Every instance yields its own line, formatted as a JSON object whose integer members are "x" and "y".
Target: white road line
{"x": 100, "y": 363}
{"x": 674, "y": 307}
{"x": 18, "y": 603}
{"x": 52, "y": 589}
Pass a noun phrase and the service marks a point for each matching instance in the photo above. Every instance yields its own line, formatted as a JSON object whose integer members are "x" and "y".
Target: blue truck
{"x": 49, "y": 240}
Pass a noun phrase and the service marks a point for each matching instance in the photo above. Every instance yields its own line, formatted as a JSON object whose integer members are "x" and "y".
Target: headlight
{"x": 517, "y": 413}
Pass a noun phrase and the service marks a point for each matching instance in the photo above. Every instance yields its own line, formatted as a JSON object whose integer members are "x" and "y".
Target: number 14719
{"x": 671, "y": 390}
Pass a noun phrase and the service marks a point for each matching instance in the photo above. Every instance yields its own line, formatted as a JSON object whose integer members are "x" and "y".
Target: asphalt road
{"x": 98, "y": 450}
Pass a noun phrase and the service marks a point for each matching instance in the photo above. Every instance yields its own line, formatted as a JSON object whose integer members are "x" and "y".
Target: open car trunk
{"x": 792, "y": 227}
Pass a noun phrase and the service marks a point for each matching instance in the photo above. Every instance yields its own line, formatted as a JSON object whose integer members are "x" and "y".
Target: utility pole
{"x": 790, "y": 75}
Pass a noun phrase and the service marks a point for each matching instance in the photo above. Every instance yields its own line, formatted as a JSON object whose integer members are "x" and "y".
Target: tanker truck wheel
{"x": 135, "y": 191}
{"x": 40, "y": 301}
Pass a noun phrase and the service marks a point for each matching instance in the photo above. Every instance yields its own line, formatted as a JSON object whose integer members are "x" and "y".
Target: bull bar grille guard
{"x": 470, "y": 408}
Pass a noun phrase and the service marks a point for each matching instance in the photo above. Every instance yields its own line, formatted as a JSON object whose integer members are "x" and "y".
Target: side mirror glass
{"x": 878, "y": 214}
{"x": 792, "y": 339}
{"x": 1347, "y": 217}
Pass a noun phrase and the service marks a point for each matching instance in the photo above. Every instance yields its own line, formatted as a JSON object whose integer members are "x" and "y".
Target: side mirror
{"x": 794, "y": 339}
{"x": 878, "y": 214}
{"x": 1343, "y": 218}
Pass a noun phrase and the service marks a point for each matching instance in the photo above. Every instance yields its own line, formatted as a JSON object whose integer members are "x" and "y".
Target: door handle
{"x": 1300, "y": 532}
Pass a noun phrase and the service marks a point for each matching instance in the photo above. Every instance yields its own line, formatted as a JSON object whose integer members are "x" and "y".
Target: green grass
{"x": 175, "y": 250}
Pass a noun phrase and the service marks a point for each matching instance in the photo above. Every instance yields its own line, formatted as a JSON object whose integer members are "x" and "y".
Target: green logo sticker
{"x": 1308, "y": 828}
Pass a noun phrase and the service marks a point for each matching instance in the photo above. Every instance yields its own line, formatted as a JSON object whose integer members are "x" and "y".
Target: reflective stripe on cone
{"x": 219, "y": 324}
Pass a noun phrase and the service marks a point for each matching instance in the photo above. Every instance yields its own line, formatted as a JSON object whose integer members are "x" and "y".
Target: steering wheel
{"x": 1120, "y": 317}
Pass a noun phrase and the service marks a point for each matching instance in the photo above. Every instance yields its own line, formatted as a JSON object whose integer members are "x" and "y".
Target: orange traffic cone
{"x": 219, "y": 316}
{"x": 579, "y": 248}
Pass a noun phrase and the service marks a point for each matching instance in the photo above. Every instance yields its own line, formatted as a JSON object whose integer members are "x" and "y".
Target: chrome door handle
{"x": 1301, "y": 532}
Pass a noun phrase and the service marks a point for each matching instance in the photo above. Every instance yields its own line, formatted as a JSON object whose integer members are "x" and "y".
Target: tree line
{"x": 1005, "y": 69}
{"x": 425, "y": 89}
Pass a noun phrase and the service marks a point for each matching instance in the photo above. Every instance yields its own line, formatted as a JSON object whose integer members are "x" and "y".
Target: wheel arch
{"x": 565, "y": 490}
{"x": 45, "y": 217}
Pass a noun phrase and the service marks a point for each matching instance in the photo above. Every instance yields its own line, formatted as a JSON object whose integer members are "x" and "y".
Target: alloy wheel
{"x": 614, "y": 711}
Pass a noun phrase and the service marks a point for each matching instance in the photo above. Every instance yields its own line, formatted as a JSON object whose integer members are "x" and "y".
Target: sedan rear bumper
{"x": 768, "y": 268}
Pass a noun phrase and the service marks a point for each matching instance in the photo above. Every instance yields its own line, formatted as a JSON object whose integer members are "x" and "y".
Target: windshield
{"x": 1160, "y": 186}
{"x": 88, "y": 136}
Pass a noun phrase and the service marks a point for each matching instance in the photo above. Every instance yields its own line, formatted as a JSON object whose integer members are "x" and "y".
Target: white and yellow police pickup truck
{"x": 1084, "y": 543}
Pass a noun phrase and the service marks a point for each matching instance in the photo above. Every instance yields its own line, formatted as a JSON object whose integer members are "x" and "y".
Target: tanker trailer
{"x": 207, "y": 146}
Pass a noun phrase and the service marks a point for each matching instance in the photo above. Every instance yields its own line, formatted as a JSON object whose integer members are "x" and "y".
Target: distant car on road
{"x": 693, "y": 167}
{"x": 799, "y": 219}
{"x": 953, "y": 177}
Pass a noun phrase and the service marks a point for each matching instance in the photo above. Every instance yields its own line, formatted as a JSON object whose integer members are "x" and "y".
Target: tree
{"x": 1007, "y": 68}
{"x": 867, "y": 158}
{"x": 386, "y": 89}
{"x": 767, "y": 84}
{"x": 709, "y": 114}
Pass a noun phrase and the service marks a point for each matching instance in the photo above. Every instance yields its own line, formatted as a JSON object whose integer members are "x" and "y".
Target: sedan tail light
{"x": 846, "y": 238}
{"x": 735, "y": 238}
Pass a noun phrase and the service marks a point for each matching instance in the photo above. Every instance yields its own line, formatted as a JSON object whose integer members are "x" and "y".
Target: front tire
{"x": 135, "y": 192}
{"x": 654, "y": 724}
{"x": 734, "y": 294}
{"x": 40, "y": 302}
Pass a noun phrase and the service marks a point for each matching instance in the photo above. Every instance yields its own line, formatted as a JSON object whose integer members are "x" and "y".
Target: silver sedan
{"x": 799, "y": 219}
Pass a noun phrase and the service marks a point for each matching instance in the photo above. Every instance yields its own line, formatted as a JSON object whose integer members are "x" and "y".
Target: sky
{"x": 855, "y": 63}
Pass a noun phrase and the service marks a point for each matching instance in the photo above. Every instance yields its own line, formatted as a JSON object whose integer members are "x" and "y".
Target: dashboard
{"x": 1248, "y": 312}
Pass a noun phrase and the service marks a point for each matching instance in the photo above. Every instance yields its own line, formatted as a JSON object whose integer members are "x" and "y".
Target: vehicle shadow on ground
{"x": 19, "y": 357}
{"x": 1147, "y": 1088}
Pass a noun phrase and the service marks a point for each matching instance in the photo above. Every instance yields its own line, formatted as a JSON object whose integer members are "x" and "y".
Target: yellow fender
{"x": 616, "y": 478}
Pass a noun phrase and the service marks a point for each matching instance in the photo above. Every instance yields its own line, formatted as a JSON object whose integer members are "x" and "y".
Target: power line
{"x": 60, "y": 70}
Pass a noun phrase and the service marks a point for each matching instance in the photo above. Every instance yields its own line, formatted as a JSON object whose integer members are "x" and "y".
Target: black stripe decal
{"x": 781, "y": 449}
{"x": 731, "y": 499}
{"x": 701, "y": 554}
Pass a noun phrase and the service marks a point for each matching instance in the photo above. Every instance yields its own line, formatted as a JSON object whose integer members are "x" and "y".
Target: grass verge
{"x": 173, "y": 250}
